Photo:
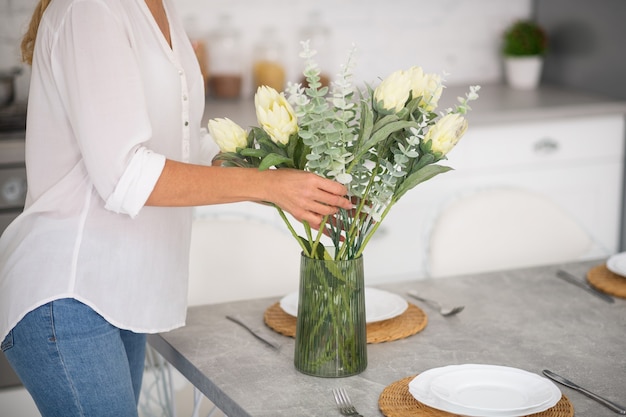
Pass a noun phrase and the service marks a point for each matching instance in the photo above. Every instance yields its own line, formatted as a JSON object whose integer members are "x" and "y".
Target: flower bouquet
{"x": 379, "y": 143}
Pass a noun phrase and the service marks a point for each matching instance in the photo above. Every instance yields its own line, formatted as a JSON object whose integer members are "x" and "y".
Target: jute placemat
{"x": 606, "y": 281}
{"x": 412, "y": 321}
{"x": 397, "y": 401}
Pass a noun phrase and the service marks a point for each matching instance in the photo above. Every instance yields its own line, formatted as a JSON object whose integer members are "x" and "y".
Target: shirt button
{"x": 184, "y": 98}
{"x": 186, "y": 123}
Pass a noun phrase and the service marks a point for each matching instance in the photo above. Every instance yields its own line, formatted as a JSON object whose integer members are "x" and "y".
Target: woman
{"x": 99, "y": 257}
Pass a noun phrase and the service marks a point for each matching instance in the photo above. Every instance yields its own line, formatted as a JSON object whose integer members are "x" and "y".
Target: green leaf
{"x": 383, "y": 133}
{"x": 267, "y": 144}
{"x": 380, "y": 123}
{"x": 291, "y": 145}
{"x": 300, "y": 155}
{"x": 419, "y": 177}
{"x": 367, "y": 121}
{"x": 254, "y": 153}
{"x": 413, "y": 105}
{"x": 274, "y": 159}
{"x": 255, "y": 134}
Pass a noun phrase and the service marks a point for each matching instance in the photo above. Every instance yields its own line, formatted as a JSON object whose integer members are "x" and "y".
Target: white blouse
{"x": 109, "y": 101}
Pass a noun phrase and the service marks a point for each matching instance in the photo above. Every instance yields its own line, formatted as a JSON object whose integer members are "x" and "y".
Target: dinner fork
{"x": 344, "y": 404}
{"x": 444, "y": 311}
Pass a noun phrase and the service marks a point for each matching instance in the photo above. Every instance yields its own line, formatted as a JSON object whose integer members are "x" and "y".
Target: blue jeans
{"x": 74, "y": 363}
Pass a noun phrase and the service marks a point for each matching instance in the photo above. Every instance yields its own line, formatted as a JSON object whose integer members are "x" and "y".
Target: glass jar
{"x": 268, "y": 68}
{"x": 226, "y": 66}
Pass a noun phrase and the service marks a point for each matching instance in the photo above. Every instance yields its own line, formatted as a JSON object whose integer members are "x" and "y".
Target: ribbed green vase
{"x": 330, "y": 334}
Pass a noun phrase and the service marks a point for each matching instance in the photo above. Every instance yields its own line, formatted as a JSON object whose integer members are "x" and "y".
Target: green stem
{"x": 320, "y": 233}
{"x": 354, "y": 227}
{"x": 305, "y": 250}
{"x": 373, "y": 230}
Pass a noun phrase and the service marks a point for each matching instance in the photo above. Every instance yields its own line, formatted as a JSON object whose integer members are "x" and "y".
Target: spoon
{"x": 444, "y": 311}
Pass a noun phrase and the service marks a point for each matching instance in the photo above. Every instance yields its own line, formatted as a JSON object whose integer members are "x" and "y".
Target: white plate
{"x": 485, "y": 391}
{"x": 379, "y": 305}
{"x": 617, "y": 264}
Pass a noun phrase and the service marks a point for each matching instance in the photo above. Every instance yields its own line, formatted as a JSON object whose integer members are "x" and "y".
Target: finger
{"x": 332, "y": 187}
{"x": 333, "y": 200}
{"x": 323, "y": 209}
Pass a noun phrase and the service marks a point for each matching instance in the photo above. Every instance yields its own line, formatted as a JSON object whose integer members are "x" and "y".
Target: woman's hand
{"x": 307, "y": 196}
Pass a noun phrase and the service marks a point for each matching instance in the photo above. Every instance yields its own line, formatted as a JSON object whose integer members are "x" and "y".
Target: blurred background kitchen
{"x": 458, "y": 36}
{"x": 241, "y": 42}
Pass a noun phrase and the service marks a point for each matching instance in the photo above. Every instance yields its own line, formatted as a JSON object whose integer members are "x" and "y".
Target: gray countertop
{"x": 524, "y": 318}
{"x": 497, "y": 104}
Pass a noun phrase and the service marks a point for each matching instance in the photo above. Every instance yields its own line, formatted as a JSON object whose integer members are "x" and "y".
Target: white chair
{"x": 235, "y": 258}
{"x": 232, "y": 257}
{"x": 501, "y": 228}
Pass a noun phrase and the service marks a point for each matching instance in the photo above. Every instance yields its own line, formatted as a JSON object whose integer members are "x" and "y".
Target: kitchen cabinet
{"x": 564, "y": 145}
{"x": 575, "y": 162}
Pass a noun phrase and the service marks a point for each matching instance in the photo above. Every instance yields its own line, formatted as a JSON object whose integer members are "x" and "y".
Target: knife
{"x": 572, "y": 279}
{"x": 268, "y": 342}
{"x": 609, "y": 404}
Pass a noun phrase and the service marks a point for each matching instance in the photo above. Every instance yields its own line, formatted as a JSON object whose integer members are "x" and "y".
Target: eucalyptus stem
{"x": 293, "y": 231}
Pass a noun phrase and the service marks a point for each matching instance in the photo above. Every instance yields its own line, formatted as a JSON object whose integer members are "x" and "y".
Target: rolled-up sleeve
{"x": 137, "y": 182}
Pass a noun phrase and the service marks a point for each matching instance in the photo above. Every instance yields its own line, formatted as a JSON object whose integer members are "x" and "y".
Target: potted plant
{"x": 524, "y": 45}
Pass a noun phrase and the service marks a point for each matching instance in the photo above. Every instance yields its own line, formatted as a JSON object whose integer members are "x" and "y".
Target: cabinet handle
{"x": 546, "y": 146}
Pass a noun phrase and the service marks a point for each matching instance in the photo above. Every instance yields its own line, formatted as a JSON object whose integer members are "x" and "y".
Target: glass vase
{"x": 330, "y": 333}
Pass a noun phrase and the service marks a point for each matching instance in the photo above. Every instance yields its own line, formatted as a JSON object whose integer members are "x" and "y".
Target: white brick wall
{"x": 458, "y": 36}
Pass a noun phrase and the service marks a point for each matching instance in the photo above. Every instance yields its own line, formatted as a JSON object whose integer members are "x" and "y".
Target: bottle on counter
{"x": 319, "y": 37}
{"x": 268, "y": 67}
{"x": 226, "y": 64}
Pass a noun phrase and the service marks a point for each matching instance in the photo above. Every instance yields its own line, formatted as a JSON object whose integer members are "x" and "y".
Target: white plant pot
{"x": 523, "y": 73}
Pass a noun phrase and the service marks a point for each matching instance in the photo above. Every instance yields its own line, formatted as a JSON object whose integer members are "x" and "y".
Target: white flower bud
{"x": 227, "y": 134}
{"x": 446, "y": 132}
{"x": 275, "y": 114}
{"x": 393, "y": 92}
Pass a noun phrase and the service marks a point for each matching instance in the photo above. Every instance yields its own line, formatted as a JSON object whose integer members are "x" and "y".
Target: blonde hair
{"x": 28, "y": 41}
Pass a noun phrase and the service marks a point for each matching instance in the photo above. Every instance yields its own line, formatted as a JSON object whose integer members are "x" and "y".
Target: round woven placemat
{"x": 606, "y": 281}
{"x": 397, "y": 401}
{"x": 412, "y": 321}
